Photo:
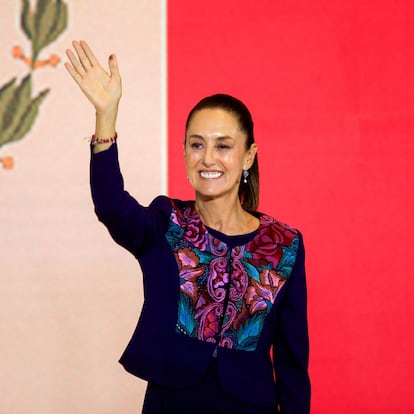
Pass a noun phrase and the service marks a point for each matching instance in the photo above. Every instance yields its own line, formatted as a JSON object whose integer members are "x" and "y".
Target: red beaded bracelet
{"x": 95, "y": 140}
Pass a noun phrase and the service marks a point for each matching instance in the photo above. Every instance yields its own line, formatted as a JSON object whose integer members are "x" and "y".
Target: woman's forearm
{"x": 105, "y": 128}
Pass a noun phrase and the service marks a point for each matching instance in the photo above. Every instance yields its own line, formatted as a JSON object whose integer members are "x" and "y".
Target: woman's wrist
{"x": 105, "y": 125}
{"x": 101, "y": 144}
{"x": 105, "y": 129}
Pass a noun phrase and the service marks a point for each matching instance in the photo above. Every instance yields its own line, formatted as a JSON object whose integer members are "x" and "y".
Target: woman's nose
{"x": 208, "y": 156}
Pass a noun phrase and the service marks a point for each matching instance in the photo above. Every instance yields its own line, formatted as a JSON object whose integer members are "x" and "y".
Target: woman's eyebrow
{"x": 224, "y": 137}
{"x": 221, "y": 137}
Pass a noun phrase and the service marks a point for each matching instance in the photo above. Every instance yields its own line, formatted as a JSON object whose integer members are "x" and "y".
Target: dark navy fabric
{"x": 157, "y": 353}
{"x": 205, "y": 397}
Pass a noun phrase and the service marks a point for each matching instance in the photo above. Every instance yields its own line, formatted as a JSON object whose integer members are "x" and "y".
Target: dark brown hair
{"x": 248, "y": 192}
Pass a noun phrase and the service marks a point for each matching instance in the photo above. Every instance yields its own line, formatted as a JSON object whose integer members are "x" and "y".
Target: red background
{"x": 330, "y": 86}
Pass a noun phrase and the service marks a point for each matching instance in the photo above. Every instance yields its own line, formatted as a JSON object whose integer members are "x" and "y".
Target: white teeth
{"x": 210, "y": 174}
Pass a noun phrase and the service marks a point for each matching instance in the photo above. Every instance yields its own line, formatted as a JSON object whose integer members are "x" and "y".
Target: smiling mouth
{"x": 211, "y": 174}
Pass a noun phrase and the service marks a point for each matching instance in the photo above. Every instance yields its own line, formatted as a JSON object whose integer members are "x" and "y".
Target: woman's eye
{"x": 223, "y": 147}
{"x": 196, "y": 145}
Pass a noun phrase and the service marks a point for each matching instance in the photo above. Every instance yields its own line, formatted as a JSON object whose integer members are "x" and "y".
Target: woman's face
{"x": 215, "y": 154}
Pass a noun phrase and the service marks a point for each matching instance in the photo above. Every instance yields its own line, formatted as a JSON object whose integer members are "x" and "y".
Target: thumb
{"x": 113, "y": 65}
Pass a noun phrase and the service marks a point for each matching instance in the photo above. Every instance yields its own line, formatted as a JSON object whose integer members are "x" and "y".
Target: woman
{"x": 223, "y": 327}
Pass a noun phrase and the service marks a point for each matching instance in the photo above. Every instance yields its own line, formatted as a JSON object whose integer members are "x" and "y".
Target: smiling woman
{"x": 242, "y": 123}
{"x": 216, "y": 154}
{"x": 224, "y": 284}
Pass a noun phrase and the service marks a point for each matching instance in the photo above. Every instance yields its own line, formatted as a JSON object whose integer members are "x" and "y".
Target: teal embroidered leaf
{"x": 185, "y": 315}
{"x": 251, "y": 270}
{"x": 285, "y": 265}
{"x": 204, "y": 257}
{"x": 248, "y": 334}
{"x": 174, "y": 233}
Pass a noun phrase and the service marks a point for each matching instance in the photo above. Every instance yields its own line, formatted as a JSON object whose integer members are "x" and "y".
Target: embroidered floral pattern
{"x": 226, "y": 294}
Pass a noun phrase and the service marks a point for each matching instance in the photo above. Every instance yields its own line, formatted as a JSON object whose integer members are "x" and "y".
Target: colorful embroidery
{"x": 226, "y": 294}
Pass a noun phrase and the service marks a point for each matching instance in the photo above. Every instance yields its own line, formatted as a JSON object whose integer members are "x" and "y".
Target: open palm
{"x": 103, "y": 89}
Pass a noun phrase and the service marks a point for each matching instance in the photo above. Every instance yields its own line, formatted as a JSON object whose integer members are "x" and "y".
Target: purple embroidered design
{"x": 225, "y": 295}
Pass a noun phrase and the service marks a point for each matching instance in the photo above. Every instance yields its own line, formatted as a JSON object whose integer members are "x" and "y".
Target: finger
{"x": 75, "y": 62}
{"x": 89, "y": 53}
{"x": 113, "y": 66}
{"x": 74, "y": 73}
{"x": 83, "y": 58}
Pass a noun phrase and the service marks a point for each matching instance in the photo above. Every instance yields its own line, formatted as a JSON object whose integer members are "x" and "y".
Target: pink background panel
{"x": 330, "y": 85}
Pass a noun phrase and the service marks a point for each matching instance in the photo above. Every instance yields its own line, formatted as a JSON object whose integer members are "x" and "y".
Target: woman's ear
{"x": 250, "y": 156}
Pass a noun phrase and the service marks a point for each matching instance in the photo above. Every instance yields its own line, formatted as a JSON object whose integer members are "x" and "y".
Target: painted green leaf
{"x": 6, "y": 86}
{"x": 50, "y": 20}
{"x": 41, "y": 6}
{"x": 6, "y": 94}
{"x": 7, "y": 133}
{"x": 28, "y": 117}
{"x": 41, "y": 25}
{"x": 46, "y": 22}
{"x": 27, "y": 19}
{"x": 60, "y": 22}
{"x": 15, "y": 108}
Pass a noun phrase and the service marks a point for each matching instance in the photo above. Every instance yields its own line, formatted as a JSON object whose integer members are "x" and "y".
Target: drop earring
{"x": 245, "y": 175}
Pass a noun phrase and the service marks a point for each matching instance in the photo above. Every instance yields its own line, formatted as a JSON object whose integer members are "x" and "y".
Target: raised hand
{"x": 103, "y": 89}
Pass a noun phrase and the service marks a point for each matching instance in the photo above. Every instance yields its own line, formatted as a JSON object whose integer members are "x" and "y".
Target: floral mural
{"x": 42, "y": 24}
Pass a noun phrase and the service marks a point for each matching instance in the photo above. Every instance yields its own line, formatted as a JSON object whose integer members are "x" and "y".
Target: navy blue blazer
{"x": 206, "y": 296}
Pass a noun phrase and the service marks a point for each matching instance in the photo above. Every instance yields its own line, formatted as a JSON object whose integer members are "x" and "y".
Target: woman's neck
{"x": 228, "y": 218}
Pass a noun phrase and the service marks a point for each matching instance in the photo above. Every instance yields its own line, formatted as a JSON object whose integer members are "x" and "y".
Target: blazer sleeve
{"x": 291, "y": 345}
{"x": 130, "y": 224}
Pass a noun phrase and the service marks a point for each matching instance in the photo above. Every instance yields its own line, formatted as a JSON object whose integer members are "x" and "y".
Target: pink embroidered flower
{"x": 188, "y": 262}
{"x": 256, "y": 303}
{"x": 218, "y": 278}
{"x": 265, "y": 219}
{"x": 239, "y": 280}
{"x": 227, "y": 343}
{"x": 241, "y": 317}
{"x": 187, "y": 258}
{"x": 174, "y": 217}
{"x": 190, "y": 213}
{"x": 209, "y": 323}
{"x": 189, "y": 287}
{"x": 238, "y": 252}
{"x": 266, "y": 246}
{"x": 201, "y": 304}
{"x": 231, "y": 314}
{"x": 217, "y": 247}
{"x": 259, "y": 294}
{"x": 195, "y": 235}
